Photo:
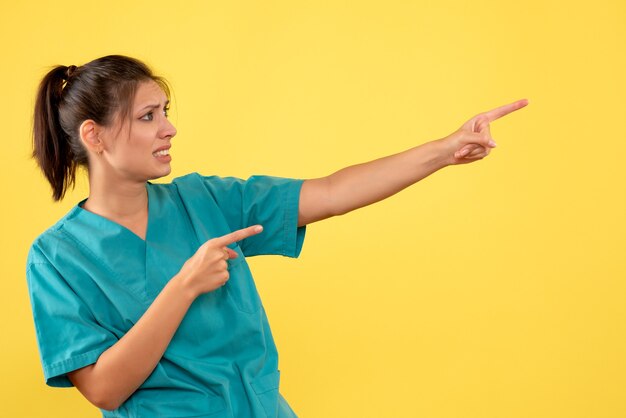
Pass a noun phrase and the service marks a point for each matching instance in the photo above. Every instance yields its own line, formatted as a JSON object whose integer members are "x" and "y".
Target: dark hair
{"x": 67, "y": 96}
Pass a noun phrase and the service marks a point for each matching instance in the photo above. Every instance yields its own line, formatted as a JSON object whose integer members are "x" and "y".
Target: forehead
{"x": 149, "y": 92}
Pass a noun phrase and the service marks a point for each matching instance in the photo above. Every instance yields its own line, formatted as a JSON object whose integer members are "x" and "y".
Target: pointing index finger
{"x": 505, "y": 110}
{"x": 238, "y": 235}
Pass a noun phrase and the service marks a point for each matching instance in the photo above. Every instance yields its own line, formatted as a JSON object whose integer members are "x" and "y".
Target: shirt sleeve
{"x": 68, "y": 335}
{"x": 266, "y": 200}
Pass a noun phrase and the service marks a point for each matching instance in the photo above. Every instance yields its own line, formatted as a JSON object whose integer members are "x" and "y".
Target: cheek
{"x": 141, "y": 143}
{"x": 132, "y": 152}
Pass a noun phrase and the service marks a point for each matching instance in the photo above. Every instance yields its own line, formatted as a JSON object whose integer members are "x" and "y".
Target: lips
{"x": 162, "y": 151}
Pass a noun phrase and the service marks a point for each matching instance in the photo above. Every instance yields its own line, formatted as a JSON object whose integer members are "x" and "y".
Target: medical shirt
{"x": 91, "y": 279}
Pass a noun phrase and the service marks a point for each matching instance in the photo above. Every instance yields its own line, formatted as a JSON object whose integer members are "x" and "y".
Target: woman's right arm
{"x": 122, "y": 368}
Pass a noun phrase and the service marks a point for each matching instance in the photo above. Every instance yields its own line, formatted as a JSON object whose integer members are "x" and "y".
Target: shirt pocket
{"x": 266, "y": 390}
{"x": 240, "y": 286}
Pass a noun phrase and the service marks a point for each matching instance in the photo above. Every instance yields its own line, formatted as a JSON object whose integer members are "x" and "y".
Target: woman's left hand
{"x": 473, "y": 141}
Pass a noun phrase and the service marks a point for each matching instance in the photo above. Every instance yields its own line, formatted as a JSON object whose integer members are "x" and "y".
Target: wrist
{"x": 182, "y": 286}
{"x": 442, "y": 152}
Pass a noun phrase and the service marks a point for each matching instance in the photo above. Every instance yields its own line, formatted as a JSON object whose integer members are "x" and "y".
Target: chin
{"x": 157, "y": 174}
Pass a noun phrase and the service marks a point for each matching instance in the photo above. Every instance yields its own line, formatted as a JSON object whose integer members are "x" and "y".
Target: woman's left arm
{"x": 363, "y": 184}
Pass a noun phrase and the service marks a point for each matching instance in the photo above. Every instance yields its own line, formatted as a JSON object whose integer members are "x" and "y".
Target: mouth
{"x": 161, "y": 153}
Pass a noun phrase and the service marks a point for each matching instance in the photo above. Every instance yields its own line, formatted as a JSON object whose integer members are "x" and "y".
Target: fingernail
{"x": 492, "y": 143}
{"x": 258, "y": 229}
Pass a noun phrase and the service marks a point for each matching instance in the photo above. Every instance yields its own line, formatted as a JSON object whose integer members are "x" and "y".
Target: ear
{"x": 89, "y": 132}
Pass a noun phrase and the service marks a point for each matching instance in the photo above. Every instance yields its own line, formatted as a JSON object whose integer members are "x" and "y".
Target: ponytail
{"x": 51, "y": 144}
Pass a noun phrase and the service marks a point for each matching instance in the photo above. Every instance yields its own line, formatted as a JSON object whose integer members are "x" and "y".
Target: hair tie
{"x": 70, "y": 72}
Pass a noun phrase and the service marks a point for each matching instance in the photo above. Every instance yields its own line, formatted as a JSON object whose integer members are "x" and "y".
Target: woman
{"x": 141, "y": 294}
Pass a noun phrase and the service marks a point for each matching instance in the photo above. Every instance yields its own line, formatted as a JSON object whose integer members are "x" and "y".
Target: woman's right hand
{"x": 473, "y": 141}
{"x": 207, "y": 269}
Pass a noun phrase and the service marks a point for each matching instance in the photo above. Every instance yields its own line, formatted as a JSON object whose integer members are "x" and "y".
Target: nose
{"x": 168, "y": 130}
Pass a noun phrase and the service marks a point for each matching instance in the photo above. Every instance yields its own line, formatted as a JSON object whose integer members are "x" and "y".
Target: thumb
{"x": 480, "y": 138}
{"x": 487, "y": 140}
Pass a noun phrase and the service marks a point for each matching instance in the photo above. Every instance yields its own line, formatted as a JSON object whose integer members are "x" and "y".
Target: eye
{"x": 150, "y": 116}
{"x": 166, "y": 111}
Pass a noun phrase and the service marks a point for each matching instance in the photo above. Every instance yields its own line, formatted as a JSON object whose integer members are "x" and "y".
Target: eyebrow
{"x": 153, "y": 106}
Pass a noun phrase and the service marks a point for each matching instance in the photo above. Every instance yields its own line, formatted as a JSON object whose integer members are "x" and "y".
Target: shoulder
{"x": 207, "y": 180}
{"x": 195, "y": 183}
{"x": 194, "y": 179}
{"x": 48, "y": 240}
{"x": 220, "y": 187}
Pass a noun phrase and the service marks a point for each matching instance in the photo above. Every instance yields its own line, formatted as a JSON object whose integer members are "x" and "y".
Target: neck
{"x": 116, "y": 198}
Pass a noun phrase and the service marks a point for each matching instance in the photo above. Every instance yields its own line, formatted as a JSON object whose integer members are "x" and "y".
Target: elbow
{"x": 339, "y": 211}
{"x": 98, "y": 390}
{"x": 99, "y": 394}
{"x": 106, "y": 402}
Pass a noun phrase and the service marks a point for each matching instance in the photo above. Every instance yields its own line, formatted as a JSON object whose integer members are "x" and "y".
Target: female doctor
{"x": 141, "y": 294}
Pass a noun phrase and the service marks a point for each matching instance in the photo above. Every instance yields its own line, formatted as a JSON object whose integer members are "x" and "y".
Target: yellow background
{"x": 494, "y": 289}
